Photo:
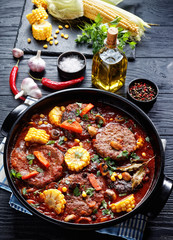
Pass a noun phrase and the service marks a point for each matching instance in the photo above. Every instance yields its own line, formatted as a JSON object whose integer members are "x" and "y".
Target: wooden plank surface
{"x": 154, "y": 61}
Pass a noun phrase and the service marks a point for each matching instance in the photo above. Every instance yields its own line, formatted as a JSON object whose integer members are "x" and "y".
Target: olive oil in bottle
{"x": 109, "y": 65}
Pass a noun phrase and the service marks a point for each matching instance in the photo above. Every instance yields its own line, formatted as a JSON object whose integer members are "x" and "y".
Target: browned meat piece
{"x": 21, "y": 164}
{"x": 77, "y": 204}
{"x": 118, "y": 133}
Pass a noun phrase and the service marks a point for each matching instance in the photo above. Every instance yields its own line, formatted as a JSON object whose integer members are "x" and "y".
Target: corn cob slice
{"x": 41, "y": 30}
{"x": 37, "y": 136}
{"x": 36, "y": 15}
{"x": 124, "y": 205}
{"x": 55, "y": 116}
{"x": 109, "y": 12}
{"x": 54, "y": 199}
{"x": 77, "y": 158}
{"x": 40, "y": 3}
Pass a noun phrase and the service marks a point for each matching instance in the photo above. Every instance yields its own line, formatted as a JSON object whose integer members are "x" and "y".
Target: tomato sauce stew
{"x": 82, "y": 162}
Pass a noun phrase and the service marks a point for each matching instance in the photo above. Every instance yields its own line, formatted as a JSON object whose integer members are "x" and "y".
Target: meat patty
{"x": 75, "y": 203}
{"x": 118, "y": 134}
{"x": 21, "y": 164}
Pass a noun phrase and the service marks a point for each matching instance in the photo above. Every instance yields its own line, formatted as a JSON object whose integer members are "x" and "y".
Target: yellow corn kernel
{"x": 57, "y": 31}
{"x": 55, "y": 36}
{"x": 113, "y": 176}
{"x": 66, "y": 26}
{"x": 62, "y": 35}
{"x": 124, "y": 205}
{"x": 48, "y": 39}
{"x": 77, "y": 140}
{"x": 94, "y": 7}
{"x": 45, "y": 122}
{"x": 120, "y": 176}
{"x": 111, "y": 119}
{"x": 64, "y": 189}
{"x": 45, "y": 46}
{"x": 40, "y": 3}
{"x": 54, "y": 199}
{"x": 29, "y": 40}
{"x": 56, "y": 42}
{"x": 139, "y": 143}
{"x": 41, "y": 30}
{"x": 143, "y": 154}
{"x": 40, "y": 122}
{"x": 51, "y": 42}
{"x": 55, "y": 116}
{"x": 37, "y": 135}
{"x": 37, "y": 15}
{"x": 42, "y": 115}
{"x": 84, "y": 195}
{"x": 65, "y": 139}
{"x": 60, "y": 27}
{"x": 66, "y": 36}
{"x": 77, "y": 158}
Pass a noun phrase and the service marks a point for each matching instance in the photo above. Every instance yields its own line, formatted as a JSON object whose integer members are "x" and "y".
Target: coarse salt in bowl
{"x": 71, "y": 65}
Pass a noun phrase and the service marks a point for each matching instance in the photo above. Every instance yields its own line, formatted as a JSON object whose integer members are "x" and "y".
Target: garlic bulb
{"x": 30, "y": 88}
{"x": 36, "y": 63}
{"x": 17, "y": 53}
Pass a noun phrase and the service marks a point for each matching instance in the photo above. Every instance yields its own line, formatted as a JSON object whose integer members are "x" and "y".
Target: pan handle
{"x": 14, "y": 114}
{"x": 160, "y": 198}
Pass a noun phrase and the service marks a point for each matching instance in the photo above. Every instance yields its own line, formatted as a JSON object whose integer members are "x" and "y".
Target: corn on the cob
{"x": 54, "y": 199}
{"x": 40, "y": 3}
{"x": 77, "y": 158}
{"x": 109, "y": 12}
{"x": 124, "y": 205}
{"x": 55, "y": 116}
{"x": 41, "y": 30}
{"x": 37, "y": 136}
{"x": 36, "y": 15}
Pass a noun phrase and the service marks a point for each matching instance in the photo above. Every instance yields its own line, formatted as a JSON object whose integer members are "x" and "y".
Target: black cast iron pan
{"x": 161, "y": 184}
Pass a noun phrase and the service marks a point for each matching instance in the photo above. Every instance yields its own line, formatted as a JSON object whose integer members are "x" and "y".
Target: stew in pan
{"x": 82, "y": 162}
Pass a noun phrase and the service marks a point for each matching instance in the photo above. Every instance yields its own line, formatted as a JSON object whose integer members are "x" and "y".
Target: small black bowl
{"x": 144, "y": 104}
{"x": 72, "y": 74}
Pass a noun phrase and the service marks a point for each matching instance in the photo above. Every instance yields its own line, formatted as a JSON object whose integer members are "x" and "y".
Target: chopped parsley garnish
{"x": 147, "y": 139}
{"x": 78, "y": 112}
{"x": 105, "y": 210}
{"x": 34, "y": 205}
{"x": 49, "y": 153}
{"x": 104, "y": 204}
{"x": 135, "y": 156}
{"x": 71, "y": 120}
{"x": 30, "y": 157}
{"x": 98, "y": 173}
{"x": 40, "y": 170}
{"x": 95, "y": 158}
{"x": 67, "y": 182}
{"x": 85, "y": 116}
{"x": 123, "y": 154}
{"x": 24, "y": 191}
{"x": 79, "y": 104}
{"x": 50, "y": 142}
{"x": 122, "y": 194}
{"x": 78, "y": 154}
{"x": 90, "y": 191}
{"x": 76, "y": 192}
{"x": 61, "y": 140}
{"x": 110, "y": 163}
{"x": 15, "y": 174}
{"x": 95, "y": 211}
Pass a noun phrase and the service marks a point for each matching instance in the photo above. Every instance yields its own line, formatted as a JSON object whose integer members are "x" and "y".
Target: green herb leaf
{"x": 78, "y": 154}
{"x": 123, "y": 154}
{"x": 61, "y": 140}
{"x": 104, "y": 204}
{"x": 34, "y": 205}
{"x": 49, "y": 153}
{"x": 122, "y": 194}
{"x": 40, "y": 170}
{"x": 90, "y": 191}
{"x": 95, "y": 211}
{"x": 85, "y": 116}
{"x": 30, "y": 157}
{"x": 24, "y": 191}
{"x": 50, "y": 142}
{"x": 95, "y": 158}
{"x": 71, "y": 120}
{"x": 147, "y": 139}
{"x": 78, "y": 112}
{"x": 135, "y": 156}
{"x": 15, "y": 174}
{"x": 108, "y": 212}
{"x": 76, "y": 192}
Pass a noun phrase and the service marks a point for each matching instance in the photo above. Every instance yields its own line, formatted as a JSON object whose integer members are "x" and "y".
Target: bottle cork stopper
{"x": 112, "y": 36}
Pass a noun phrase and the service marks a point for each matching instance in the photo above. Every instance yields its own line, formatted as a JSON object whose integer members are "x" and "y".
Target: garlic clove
{"x": 36, "y": 63}
{"x": 17, "y": 53}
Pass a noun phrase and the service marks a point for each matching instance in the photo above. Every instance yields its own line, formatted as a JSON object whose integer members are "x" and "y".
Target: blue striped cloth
{"x": 131, "y": 229}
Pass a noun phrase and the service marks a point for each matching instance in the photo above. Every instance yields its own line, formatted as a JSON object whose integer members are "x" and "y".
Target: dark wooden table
{"x": 154, "y": 60}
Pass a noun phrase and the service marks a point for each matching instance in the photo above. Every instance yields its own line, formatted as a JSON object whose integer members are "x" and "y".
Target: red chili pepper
{"x": 12, "y": 80}
{"x": 60, "y": 85}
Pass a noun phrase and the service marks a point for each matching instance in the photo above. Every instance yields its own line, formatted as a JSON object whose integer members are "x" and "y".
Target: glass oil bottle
{"x": 109, "y": 64}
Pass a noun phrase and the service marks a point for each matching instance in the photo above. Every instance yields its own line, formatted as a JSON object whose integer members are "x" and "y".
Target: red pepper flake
{"x": 142, "y": 91}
